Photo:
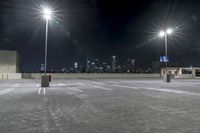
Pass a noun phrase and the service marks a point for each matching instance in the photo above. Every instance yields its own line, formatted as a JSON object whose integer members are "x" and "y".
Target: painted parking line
{"x": 112, "y": 82}
{"x": 173, "y": 91}
{"x": 15, "y": 85}
{"x": 80, "y": 84}
{"x": 71, "y": 90}
{"x": 76, "y": 92}
{"x": 61, "y": 84}
{"x": 103, "y": 88}
{"x": 6, "y": 91}
{"x": 160, "y": 90}
{"x": 10, "y": 89}
{"x": 74, "y": 89}
{"x": 44, "y": 90}
{"x": 67, "y": 84}
{"x": 97, "y": 83}
{"x": 173, "y": 84}
{"x": 123, "y": 86}
{"x": 40, "y": 90}
{"x": 38, "y": 85}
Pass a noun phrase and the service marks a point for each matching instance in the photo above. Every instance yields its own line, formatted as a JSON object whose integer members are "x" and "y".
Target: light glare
{"x": 169, "y": 31}
{"x": 162, "y": 33}
{"x": 47, "y": 13}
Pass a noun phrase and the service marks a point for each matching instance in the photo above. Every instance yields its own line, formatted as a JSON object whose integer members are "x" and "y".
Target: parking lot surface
{"x": 100, "y": 106}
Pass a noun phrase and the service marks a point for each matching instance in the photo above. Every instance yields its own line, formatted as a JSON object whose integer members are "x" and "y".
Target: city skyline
{"x": 100, "y": 29}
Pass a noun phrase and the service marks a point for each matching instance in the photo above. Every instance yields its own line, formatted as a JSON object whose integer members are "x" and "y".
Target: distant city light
{"x": 75, "y": 65}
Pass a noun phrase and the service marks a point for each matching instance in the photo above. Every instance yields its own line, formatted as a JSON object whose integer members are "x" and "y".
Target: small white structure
{"x": 182, "y": 72}
{"x": 9, "y": 65}
{"x": 196, "y": 72}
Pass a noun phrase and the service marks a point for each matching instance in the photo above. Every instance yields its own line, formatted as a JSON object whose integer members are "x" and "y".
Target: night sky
{"x": 99, "y": 29}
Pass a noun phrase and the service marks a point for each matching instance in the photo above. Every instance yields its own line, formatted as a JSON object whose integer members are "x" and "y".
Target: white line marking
{"x": 38, "y": 85}
{"x": 39, "y": 90}
{"x": 44, "y": 90}
{"x": 61, "y": 84}
{"x": 13, "y": 85}
{"x": 173, "y": 91}
{"x": 6, "y": 91}
{"x": 68, "y": 92}
{"x": 74, "y": 89}
{"x": 77, "y": 89}
{"x": 10, "y": 89}
{"x": 97, "y": 83}
{"x": 110, "y": 82}
{"x": 17, "y": 85}
{"x": 123, "y": 86}
{"x": 103, "y": 88}
{"x": 80, "y": 84}
{"x": 161, "y": 90}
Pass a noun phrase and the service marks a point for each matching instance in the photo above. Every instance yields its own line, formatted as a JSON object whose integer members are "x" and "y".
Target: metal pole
{"x": 46, "y": 39}
{"x": 166, "y": 52}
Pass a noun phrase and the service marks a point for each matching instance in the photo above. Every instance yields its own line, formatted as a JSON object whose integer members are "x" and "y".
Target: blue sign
{"x": 164, "y": 59}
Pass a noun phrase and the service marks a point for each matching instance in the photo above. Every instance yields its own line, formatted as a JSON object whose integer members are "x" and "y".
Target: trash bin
{"x": 167, "y": 78}
{"x": 45, "y": 81}
{"x": 49, "y": 78}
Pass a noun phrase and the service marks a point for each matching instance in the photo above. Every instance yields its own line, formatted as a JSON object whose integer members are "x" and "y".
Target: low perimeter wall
{"x": 88, "y": 76}
{"x": 185, "y": 76}
{"x": 10, "y": 76}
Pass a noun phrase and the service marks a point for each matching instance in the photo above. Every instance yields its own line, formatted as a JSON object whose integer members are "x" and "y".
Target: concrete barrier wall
{"x": 182, "y": 76}
{"x": 89, "y": 76}
{"x": 4, "y": 76}
{"x": 8, "y": 61}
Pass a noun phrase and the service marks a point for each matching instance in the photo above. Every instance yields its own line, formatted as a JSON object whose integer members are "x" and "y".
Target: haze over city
{"x": 100, "y": 29}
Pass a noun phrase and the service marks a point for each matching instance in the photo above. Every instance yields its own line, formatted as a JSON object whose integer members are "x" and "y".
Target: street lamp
{"x": 165, "y": 34}
{"x": 47, "y": 14}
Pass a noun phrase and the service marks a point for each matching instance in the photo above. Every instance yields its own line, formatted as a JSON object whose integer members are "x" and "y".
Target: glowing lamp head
{"x": 162, "y": 34}
{"x": 169, "y": 31}
{"x": 47, "y": 13}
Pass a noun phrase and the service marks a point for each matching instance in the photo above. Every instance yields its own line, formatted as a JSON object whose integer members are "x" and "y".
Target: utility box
{"x": 45, "y": 81}
{"x": 49, "y": 78}
{"x": 166, "y": 78}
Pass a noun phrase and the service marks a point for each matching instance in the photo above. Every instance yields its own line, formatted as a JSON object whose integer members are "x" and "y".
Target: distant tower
{"x": 88, "y": 65}
{"x": 75, "y": 65}
{"x": 114, "y": 63}
{"x": 42, "y": 68}
{"x": 130, "y": 65}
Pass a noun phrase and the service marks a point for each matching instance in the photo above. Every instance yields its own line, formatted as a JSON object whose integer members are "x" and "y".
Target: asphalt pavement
{"x": 100, "y": 106}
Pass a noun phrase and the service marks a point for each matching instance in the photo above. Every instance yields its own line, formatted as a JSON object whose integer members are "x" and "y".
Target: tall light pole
{"x": 47, "y": 13}
{"x": 165, "y": 35}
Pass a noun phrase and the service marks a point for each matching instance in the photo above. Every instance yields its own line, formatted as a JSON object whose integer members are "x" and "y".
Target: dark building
{"x": 130, "y": 65}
